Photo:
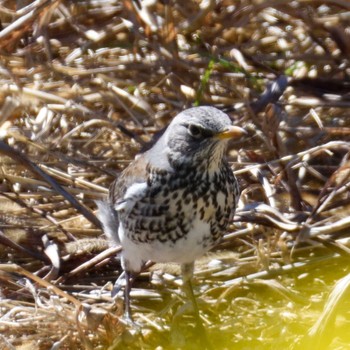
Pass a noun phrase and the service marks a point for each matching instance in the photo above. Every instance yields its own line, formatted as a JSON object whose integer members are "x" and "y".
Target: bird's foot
{"x": 129, "y": 322}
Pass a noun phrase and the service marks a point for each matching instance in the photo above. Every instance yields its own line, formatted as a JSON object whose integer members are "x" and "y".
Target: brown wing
{"x": 135, "y": 172}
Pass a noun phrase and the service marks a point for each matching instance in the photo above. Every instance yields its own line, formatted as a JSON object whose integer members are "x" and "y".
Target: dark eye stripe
{"x": 207, "y": 133}
{"x": 202, "y": 133}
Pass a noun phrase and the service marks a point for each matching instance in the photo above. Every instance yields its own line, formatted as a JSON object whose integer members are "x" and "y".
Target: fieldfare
{"x": 175, "y": 201}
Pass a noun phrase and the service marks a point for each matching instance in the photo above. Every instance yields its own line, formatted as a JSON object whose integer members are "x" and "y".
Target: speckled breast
{"x": 187, "y": 205}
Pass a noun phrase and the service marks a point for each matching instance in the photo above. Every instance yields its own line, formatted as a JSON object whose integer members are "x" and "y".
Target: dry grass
{"x": 85, "y": 85}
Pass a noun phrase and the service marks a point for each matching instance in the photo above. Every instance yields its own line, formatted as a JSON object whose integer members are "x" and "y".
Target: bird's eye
{"x": 195, "y": 130}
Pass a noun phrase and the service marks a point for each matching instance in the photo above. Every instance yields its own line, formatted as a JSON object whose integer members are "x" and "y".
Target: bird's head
{"x": 197, "y": 134}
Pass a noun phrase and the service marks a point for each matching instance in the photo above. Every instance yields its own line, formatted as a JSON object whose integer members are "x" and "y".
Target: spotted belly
{"x": 178, "y": 232}
{"x": 178, "y": 223}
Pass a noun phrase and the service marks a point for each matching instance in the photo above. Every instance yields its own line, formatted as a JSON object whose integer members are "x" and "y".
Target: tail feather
{"x": 109, "y": 219}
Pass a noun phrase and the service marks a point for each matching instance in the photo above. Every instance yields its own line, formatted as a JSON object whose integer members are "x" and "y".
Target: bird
{"x": 174, "y": 202}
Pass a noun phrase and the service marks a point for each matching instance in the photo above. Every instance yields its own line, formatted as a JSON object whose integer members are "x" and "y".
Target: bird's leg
{"x": 187, "y": 274}
{"x": 118, "y": 284}
{"x": 127, "y": 290}
{"x": 125, "y": 279}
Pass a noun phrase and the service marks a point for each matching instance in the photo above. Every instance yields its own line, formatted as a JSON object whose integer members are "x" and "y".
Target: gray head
{"x": 195, "y": 135}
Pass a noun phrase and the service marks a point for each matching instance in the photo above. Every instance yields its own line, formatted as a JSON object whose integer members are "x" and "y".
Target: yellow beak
{"x": 232, "y": 132}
